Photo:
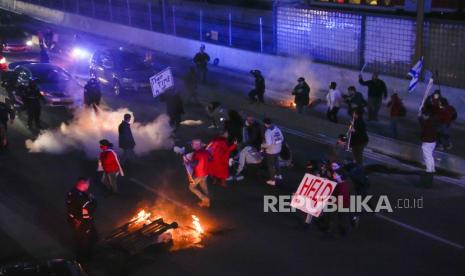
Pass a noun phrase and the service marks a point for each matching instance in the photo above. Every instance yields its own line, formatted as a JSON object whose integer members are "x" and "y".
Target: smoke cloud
{"x": 89, "y": 127}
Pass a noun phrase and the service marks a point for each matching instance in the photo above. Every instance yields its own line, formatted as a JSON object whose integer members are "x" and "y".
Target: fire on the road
{"x": 189, "y": 233}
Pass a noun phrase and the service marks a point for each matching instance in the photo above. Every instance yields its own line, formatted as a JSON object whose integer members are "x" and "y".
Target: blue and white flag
{"x": 415, "y": 74}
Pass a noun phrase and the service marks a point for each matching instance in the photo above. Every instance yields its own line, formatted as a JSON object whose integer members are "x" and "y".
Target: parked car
{"x": 57, "y": 86}
{"x": 15, "y": 40}
{"x": 121, "y": 69}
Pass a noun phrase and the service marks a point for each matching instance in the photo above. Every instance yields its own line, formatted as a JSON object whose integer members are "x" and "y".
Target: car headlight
{"x": 29, "y": 43}
{"x": 80, "y": 53}
{"x": 127, "y": 80}
{"x": 3, "y": 60}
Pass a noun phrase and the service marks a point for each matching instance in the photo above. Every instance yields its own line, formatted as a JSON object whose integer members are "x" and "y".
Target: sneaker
{"x": 271, "y": 182}
{"x": 230, "y": 178}
{"x": 239, "y": 177}
{"x": 278, "y": 176}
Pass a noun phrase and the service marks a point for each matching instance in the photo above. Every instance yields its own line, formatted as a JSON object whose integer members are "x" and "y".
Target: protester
{"x": 126, "y": 141}
{"x": 376, "y": 91}
{"x": 247, "y": 156}
{"x": 429, "y": 125}
{"x": 354, "y": 101}
{"x": 357, "y": 175}
{"x": 32, "y": 98}
{"x": 220, "y": 151}
{"x": 233, "y": 125}
{"x": 433, "y": 101}
{"x": 81, "y": 207}
{"x": 359, "y": 137}
{"x": 252, "y": 133}
{"x": 201, "y": 60}
{"x": 199, "y": 161}
{"x": 333, "y": 100}
{"x": 301, "y": 94}
{"x": 256, "y": 94}
{"x": 92, "y": 93}
{"x": 174, "y": 107}
{"x": 396, "y": 111}
{"x": 110, "y": 165}
{"x": 341, "y": 192}
{"x": 215, "y": 113}
{"x": 6, "y": 114}
{"x": 340, "y": 151}
{"x": 446, "y": 115}
{"x": 191, "y": 84}
{"x": 272, "y": 146}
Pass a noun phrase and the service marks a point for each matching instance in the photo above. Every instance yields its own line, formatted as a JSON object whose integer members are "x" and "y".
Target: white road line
{"x": 370, "y": 154}
{"x": 421, "y": 232}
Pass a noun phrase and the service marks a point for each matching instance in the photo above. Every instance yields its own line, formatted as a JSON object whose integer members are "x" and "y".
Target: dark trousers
{"x": 331, "y": 114}
{"x": 86, "y": 238}
{"x": 357, "y": 151}
{"x": 33, "y": 114}
{"x": 255, "y": 95}
{"x": 202, "y": 71}
{"x": 272, "y": 162}
{"x": 374, "y": 104}
{"x": 300, "y": 108}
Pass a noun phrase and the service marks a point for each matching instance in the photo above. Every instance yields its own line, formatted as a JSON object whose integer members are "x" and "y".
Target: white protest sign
{"x": 313, "y": 194}
{"x": 161, "y": 82}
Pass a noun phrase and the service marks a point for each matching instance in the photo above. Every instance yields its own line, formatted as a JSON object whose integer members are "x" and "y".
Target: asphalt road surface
{"x": 240, "y": 239}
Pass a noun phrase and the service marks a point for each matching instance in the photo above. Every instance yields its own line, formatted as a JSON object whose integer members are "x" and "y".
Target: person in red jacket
{"x": 219, "y": 165}
{"x": 199, "y": 160}
{"x": 396, "y": 111}
{"x": 109, "y": 164}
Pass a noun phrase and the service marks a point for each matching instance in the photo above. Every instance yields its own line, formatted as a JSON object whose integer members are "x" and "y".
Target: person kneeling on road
{"x": 198, "y": 161}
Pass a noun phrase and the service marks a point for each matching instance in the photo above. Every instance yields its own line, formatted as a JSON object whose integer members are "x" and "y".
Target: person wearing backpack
{"x": 446, "y": 115}
{"x": 396, "y": 111}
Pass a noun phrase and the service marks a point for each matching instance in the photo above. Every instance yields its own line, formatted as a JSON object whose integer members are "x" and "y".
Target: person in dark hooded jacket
{"x": 301, "y": 94}
{"x": 174, "y": 107}
{"x": 126, "y": 140}
{"x": 233, "y": 125}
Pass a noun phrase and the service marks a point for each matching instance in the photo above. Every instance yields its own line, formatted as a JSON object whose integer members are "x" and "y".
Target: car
{"x": 38, "y": 268}
{"x": 15, "y": 40}
{"x": 121, "y": 69}
{"x": 57, "y": 86}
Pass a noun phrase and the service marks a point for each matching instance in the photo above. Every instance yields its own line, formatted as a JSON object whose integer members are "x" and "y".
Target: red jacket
{"x": 446, "y": 114}
{"x": 342, "y": 189}
{"x": 395, "y": 106}
{"x": 109, "y": 161}
{"x": 220, "y": 151}
{"x": 200, "y": 160}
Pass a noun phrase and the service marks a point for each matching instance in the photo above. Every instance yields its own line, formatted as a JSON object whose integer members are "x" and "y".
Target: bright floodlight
{"x": 29, "y": 43}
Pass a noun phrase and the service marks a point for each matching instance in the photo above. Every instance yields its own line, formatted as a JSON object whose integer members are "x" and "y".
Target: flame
{"x": 188, "y": 234}
{"x": 196, "y": 223}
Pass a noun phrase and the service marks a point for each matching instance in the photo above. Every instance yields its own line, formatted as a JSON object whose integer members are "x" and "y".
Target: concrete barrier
{"x": 278, "y": 68}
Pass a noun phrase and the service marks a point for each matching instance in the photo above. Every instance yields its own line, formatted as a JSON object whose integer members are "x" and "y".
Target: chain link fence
{"x": 385, "y": 43}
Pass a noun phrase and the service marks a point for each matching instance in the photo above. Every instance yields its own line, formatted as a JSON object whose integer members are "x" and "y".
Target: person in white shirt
{"x": 272, "y": 146}
{"x": 334, "y": 100}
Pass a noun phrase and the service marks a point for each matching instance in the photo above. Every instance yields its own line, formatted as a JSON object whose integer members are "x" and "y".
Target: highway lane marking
{"x": 370, "y": 154}
{"x": 421, "y": 232}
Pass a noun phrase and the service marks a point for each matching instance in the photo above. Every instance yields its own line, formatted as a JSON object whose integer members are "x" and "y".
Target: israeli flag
{"x": 415, "y": 74}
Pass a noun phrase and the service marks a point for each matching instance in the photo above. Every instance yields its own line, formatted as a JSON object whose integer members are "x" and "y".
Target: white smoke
{"x": 88, "y": 127}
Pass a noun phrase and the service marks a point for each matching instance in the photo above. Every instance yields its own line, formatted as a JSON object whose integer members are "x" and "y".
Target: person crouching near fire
{"x": 198, "y": 161}
{"x": 110, "y": 165}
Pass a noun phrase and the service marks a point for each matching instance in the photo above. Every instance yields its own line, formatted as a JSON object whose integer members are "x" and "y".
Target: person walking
{"x": 428, "y": 124}
{"x": 354, "y": 100}
{"x": 110, "y": 165}
{"x": 301, "y": 94}
{"x": 333, "y": 99}
{"x": 81, "y": 206}
{"x": 272, "y": 146}
{"x": 220, "y": 152}
{"x": 396, "y": 111}
{"x": 126, "y": 141}
{"x": 201, "y": 60}
{"x": 32, "y": 98}
{"x": 376, "y": 91}
{"x": 199, "y": 161}
{"x": 359, "y": 137}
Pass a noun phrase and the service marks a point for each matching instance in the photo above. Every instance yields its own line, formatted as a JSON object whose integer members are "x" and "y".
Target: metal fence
{"x": 234, "y": 27}
{"x": 385, "y": 43}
